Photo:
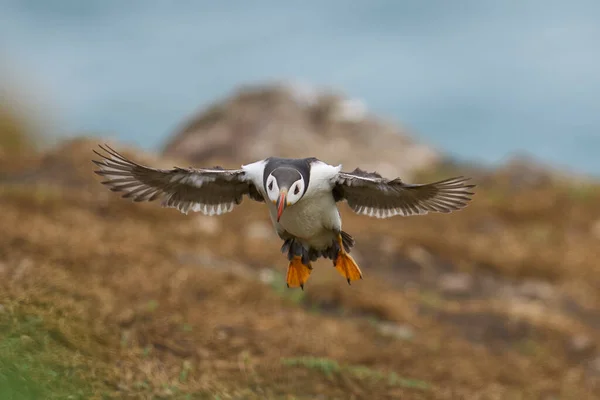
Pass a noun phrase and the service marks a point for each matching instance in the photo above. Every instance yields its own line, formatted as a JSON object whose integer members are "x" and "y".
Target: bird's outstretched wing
{"x": 212, "y": 191}
{"x": 368, "y": 193}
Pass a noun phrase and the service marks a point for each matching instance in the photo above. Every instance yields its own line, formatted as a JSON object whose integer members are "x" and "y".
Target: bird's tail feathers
{"x": 347, "y": 241}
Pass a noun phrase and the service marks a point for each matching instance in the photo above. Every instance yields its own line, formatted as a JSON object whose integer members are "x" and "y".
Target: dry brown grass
{"x": 17, "y": 139}
{"x": 103, "y": 298}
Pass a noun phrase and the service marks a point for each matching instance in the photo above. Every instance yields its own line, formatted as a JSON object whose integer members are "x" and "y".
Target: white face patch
{"x": 272, "y": 188}
{"x": 296, "y": 191}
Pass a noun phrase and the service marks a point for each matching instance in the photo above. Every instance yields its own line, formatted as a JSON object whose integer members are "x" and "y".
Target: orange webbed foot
{"x": 297, "y": 273}
{"x": 346, "y": 265}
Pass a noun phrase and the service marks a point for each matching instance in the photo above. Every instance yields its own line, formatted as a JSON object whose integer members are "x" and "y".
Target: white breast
{"x": 312, "y": 220}
{"x": 315, "y": 218}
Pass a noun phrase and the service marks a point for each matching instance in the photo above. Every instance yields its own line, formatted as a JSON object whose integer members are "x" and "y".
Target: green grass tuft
{"x": 32, "y": 365}
{"x": 331, "y": 368}
{"x": 324, "y": 365}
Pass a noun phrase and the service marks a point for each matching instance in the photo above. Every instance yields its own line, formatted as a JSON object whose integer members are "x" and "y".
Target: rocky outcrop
{"x": 291, "y": 121}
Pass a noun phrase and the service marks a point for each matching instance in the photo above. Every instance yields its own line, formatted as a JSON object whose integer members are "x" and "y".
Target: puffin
{"x": 301, "y": 195}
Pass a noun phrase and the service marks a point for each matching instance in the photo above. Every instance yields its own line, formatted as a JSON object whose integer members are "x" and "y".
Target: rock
{"x": 259, "y": 230}
{"x": 523, "y": 171}
{"x": 208, "y": 225}
{"x": 126, "y": 317}
{"x": 266, "y": 276}
{"x": 167, "y": 392}
{"x": 536, "y": 290}
{"x": 23, "y": 267}
{"x": 403, "y": 332}
{"x": 455, "y": 283}
{"x": 594, "y": 366}
{"x": 420, "y": 256}
{"x": 388, "y": 245}
{"x": 26, "y": 341}
{"x": 261, "y": 121}
{"x": 203, "y": 353}
{"x": 350, "y": 110}
{"x": 489, "y": 224}
{"x": 581, "y": 343}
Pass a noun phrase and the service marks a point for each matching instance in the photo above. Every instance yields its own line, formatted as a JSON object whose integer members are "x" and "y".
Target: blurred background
{"x": 497, "y": 301}
{"x": 479, "y": 79}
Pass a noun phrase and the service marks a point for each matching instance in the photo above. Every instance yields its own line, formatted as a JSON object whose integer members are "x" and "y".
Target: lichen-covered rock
{"x": 291, "y": 121}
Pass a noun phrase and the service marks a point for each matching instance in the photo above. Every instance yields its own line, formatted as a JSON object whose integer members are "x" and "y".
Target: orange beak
{"x": 281, "y": 203}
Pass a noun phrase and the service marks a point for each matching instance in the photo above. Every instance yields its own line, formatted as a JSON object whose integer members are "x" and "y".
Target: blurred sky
{"x": 481, "y": 79}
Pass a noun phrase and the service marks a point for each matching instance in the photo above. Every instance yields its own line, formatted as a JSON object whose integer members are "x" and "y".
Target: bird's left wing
{"x": 368, "y": 193}
{"x": 212, "y": 191}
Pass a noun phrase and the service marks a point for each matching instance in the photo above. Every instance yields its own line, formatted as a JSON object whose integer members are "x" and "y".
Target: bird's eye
{"x": 297, "y": 190}
{"x": 271, "y": 185}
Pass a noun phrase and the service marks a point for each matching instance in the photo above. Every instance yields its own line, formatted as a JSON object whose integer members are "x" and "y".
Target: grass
{"x": 324, "y": 365}
{"x": 331, "y": 368}
{"x": 15, "y": 135}
{"x": 32, "y": 366}
{"x": 98, "y": 302}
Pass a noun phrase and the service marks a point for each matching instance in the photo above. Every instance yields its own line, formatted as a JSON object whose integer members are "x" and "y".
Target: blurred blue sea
{"x": 479, "y": 79}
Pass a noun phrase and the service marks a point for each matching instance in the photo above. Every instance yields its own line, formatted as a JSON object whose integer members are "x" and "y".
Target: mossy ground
{"x": 101, "y": 298}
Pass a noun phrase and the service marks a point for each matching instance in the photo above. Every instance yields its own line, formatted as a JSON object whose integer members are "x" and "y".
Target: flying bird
{"x": 301, "y": 195}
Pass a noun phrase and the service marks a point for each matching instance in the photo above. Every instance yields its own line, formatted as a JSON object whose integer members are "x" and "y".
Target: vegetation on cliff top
{"x": 101, "y": 298}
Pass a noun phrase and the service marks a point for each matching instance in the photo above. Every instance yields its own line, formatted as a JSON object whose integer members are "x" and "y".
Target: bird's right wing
{"x": 211, "y": 191}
